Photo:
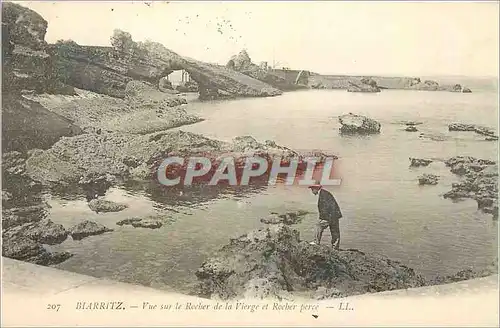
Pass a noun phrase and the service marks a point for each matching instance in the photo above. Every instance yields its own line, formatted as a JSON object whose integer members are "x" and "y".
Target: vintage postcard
{"x": 250, "y": 163}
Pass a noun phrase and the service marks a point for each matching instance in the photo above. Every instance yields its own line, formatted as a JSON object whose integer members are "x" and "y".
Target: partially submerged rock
{"x": 243, "y": 64}
{"x": 428, "y": 179}
{"x": 358, "y": 124}
{"x": 283, "y": 263}
{"x": 26, "y": 249}
{"x": 434, "y": 136}
{"x": 481, "y": 182}
{"x": 104, "y": 206}
{"x": 87, "y": 228}
{"x": 95, "y": 68}
{"x": 417, "y": 162}
{"x": 127, "y": 156}
{"x": 150, "y": 222}
{"x": 288, "y": 218}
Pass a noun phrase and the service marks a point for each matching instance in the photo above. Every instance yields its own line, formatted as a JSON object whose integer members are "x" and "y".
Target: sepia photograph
{"x": 239, "y": 163}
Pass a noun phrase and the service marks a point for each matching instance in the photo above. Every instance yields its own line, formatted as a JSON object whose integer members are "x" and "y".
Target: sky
{"x": 331, "y": 37}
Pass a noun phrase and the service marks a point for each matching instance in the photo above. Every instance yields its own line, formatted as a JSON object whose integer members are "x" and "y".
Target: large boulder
{"x": 277, "y": 260}
{"x": 358, "y": 124}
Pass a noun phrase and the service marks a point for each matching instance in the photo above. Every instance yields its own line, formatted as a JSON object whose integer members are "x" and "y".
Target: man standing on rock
{"x": 329, "y": 215}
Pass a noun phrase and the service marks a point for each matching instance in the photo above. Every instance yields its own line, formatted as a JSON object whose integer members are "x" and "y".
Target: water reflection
{"x": 194, "y": 195}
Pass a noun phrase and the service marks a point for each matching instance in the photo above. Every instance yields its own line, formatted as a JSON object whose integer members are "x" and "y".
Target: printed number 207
{"x": 55, "y": 307}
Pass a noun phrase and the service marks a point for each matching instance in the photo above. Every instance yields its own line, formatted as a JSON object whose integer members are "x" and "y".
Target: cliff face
{"x": 28, "y": 68}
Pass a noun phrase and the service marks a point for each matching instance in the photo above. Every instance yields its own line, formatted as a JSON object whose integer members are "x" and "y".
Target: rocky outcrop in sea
{"x": 358, "y": 124}
{"x": 480, "y": 182}
{"x": 273, "y": 262}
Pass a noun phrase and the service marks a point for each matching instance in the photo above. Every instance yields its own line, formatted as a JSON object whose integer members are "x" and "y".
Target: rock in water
{"x": 128, "y": 221}
{"x": 428, "y": 179}
{"x": 101, "y": 205}
{"x": 411, "y": 128}
{"x": 277, "y": 259}
{"x": 364, "y": 85}
{"x": 358, "y": 124}
{"x": 150, "y": 224}
{"x": 481, "y": 182}
{"x": 87, "y": 228}
{"x": 416, "y": 162}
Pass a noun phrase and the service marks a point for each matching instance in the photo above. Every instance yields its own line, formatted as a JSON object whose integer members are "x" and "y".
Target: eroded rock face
{"x": 277, "y": 259}
{"x": 482, "y": 130}
{"x": 358, "y": 124}
{"x": 87, "y": 228}
{"x": 364, "y": 85}
{"x": 480, "y": 182}
{"x": 417, "y": 162}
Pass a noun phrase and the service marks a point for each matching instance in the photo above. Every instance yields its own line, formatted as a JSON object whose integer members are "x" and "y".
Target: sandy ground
{"x": 42, "y": 296}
